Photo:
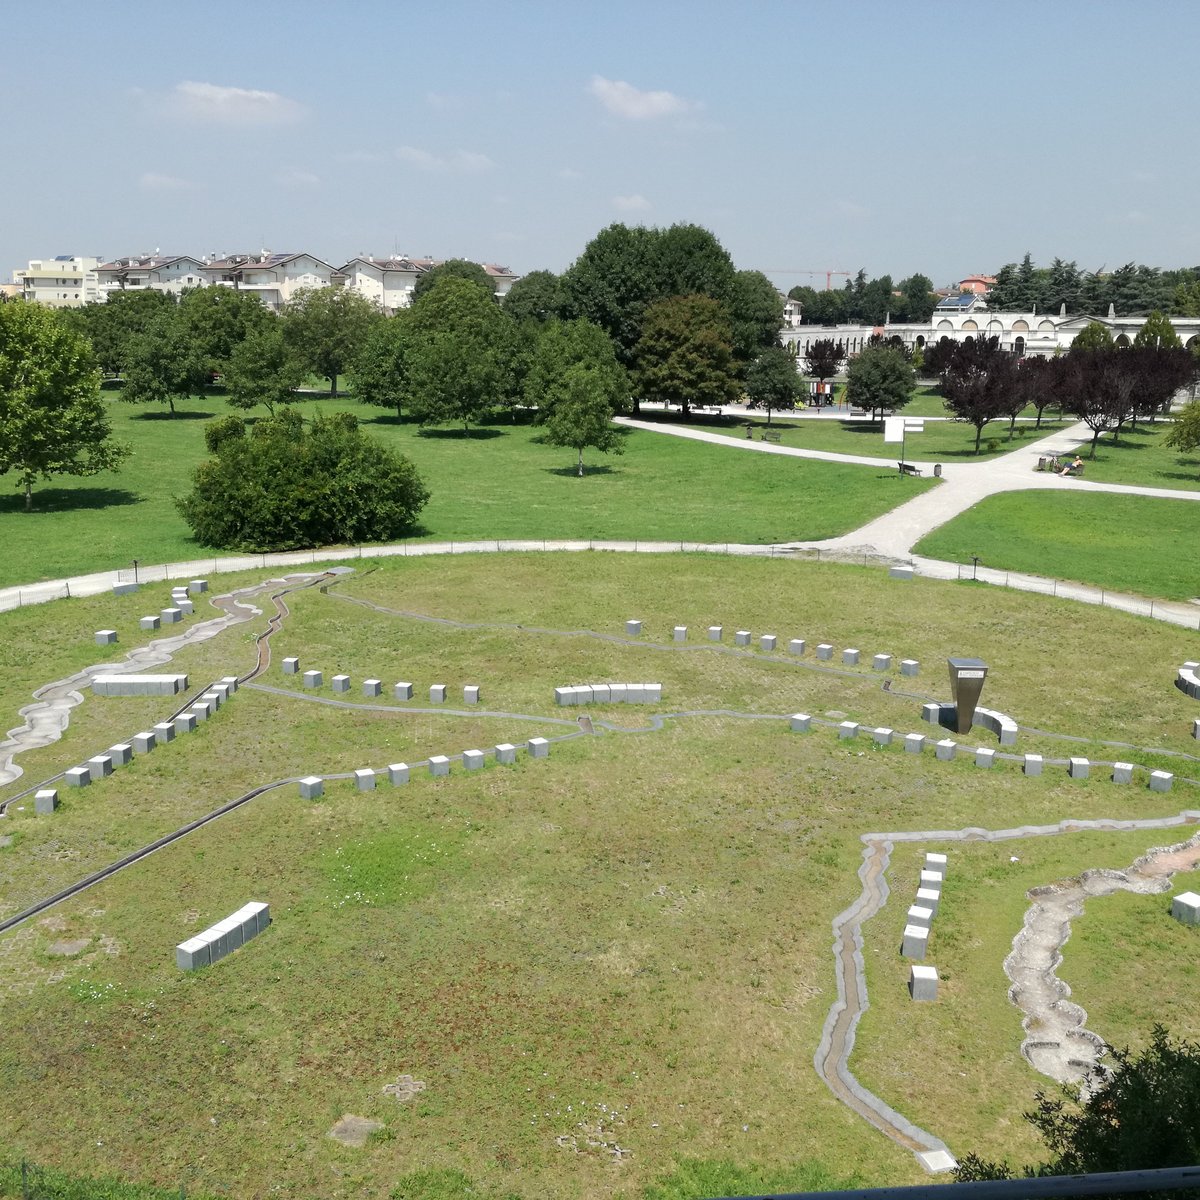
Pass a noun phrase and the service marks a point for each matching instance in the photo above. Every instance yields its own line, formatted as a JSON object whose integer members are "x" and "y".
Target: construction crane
{"x": 829, "y": 274}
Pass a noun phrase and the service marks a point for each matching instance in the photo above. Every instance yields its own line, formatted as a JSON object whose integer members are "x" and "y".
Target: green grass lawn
{"x": 1134, "y": 544}
{"x": 500, "y": 482}
{"x": 1138, "y": 456}
{"x": 627, "y": 944}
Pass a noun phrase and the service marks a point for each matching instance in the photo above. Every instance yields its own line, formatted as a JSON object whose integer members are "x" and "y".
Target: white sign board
{"x": 893, "y": 429}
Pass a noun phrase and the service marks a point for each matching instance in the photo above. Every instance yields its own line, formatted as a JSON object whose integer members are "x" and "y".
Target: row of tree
{"x": 1132, "y": 288}
{"x": 866, "y": 301}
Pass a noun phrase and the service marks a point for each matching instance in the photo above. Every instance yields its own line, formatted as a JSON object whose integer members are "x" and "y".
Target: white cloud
{"x": 153, "y": 181}
{"x": 624, "y": 100}
{"x": 298, "y": 179}
{"x": 463, "y": 162}
{"x": 635, "y": 203}
{"x": 232, "y": 105}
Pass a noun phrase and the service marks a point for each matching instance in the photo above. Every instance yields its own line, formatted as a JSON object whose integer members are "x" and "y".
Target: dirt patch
{"x": 68, "y": 949}
{"x": 404, "y": 1089}
{"x": 354, "y": 1131}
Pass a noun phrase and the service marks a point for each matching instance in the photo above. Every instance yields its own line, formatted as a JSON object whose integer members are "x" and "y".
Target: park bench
{"x": 909, "y": 468}
{"x": 770, "y": 435}
{"x": 859, "y": 412}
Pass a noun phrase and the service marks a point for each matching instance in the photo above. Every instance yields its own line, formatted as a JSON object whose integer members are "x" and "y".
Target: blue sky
{"x": 903, "y": 136}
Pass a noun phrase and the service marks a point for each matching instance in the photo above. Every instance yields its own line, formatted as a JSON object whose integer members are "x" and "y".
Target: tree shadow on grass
{"x": 48, "y": 500}
{"x": 573, "y": 472}
{"x": 462, "y": 435}
{"x": 180, "y": 414}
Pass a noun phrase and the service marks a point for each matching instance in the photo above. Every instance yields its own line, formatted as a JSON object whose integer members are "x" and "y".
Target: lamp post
{"x": 974, "y": 566}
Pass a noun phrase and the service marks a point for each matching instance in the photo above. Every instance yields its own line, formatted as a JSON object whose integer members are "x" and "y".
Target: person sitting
{"x": 1074, "y": 467}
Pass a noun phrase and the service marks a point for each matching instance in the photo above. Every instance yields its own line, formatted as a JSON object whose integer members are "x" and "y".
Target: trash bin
{"x": 937, "y": 470}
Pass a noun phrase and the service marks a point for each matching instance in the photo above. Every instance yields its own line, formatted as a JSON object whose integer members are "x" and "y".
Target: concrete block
{"x": 506, "y": 753}
{"x": 796, "y": 646}
{"x": 539, "y": 748}
{"x": 125, "y": 589}
{"x": 984, "y": 757}
{"x": 914, "y": 743}
{"x": 185, "y": 606}
{"x": 100, "y": 765}
{"x": 601, "y": 693}
{"x": 402, "y": 691}
{"x": 313, "y": 679}
{"x": 850, "y": 658}
{"x": 312, "y": 787}
{"x": 186, "y": 722}
{"x": 1196, "y": 728}
{"x": 768, "y": 642}
{"x": 741, "y": 637}
{"x": 824, "y": 651}
{"x": 1078, "y": 768}
{"x": 139, "y": 685}
{"x": 679, "y": 633}
{"x": 653, "y": 693}
{"x": 800, "y": 723}
{"x": 1033, "y": 764}
{"x": 563, "y": 696}
{"x": 364, "y": 779}
{"x": 915, "y": 941}
{"x": 848, "y": 729}
{"x": 1160, "y": 781}
{"x": 437, "y": 693}
{"x": 372, "y": 688}
{"x": 192, "y": 954}
{"x": 258, "y": 913}
{"x": 179, "y": 590}
{"x": 909, "y": 666}
{"x": 616, "y": 693}
{"x": 1186, "y": 908}
{"x": 78, "y": 776}
{"x": 198, "y": 585}
{"x": 715, "y": 632}
{"x": 900, "y": 572}
{"x": 398, "y": 773}
{"x": 635, "y": 693}
{"x": 936, "y": 862}
{"x": 881, "y": 662}
{"x": 439, "y": 765}
{"x": 931, "y": 713}
{"x": 930, "y": 879}
{"x": 930, "y": 898}
{"x": 231, "y": 682}
{"x": 291, "y": 666}
{"x": 121, "y": 754}
{"x": 149, "y": 624}
{"x": 164, "y": 732}
{"x": 633, "y": 629}
{"x": 106, "y": 637}
{"x": 918, "y": 914}
{"x": 340, "y": 683}
{"x": 213, "y": 699}
{"x": 171, "y": 616}
{"x": 882, "y": 736}
{"x": 143, "y": 743}
{"x": 231, "y": 929}
{"x": 221, "y": 691}
{"x": 922, "y": 982}
{"x": 45, "y": 801}
{"x": 200, "y": 711}
{"x": 1122, "y": 773}
{"x": 945, "y": 749}
{"x": 472, "y": 759}
{"x": 471, "y": 693}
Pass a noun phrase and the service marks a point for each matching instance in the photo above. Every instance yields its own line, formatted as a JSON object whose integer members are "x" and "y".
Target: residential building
{"x": 388, "y": 282}
{"x": 274, "y": 278}
{"x": 154, "y": 272}
{"x": 980, "y": 285}
{"x": 65, "y": 281}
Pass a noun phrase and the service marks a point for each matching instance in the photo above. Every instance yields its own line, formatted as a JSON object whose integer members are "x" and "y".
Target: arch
{"x": 945, "y": 325}
{"x": 1019, "y": 347}
{"x": 971, "y": 325}
{"x": 1192, "y": 342}
{"x": 1046, "y": 326}
{"x": 1122, "y": 340}
{"x": 920, "y": 341}
{"x": 1020, "y": 326}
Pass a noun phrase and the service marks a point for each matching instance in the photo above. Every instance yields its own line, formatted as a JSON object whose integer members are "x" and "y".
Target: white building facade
{"x": 173, "y": 273}
{"x": 273, "y": 278}
{"x": 65, "y": 281}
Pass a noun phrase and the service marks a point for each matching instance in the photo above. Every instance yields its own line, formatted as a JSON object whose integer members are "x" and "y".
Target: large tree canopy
{"x": 263, "y": 369}
{"x": 534, "y": 297}
{"x": 326, "y": 326}
{"x": 163, "y": 363}
{"x": 112, "y": 325}
{"x": 379, "y": 372}
{"x": 52, "y": 419}
{"x": 453, "y": 268}
{"x": 879, "y": 379}
{"x": 772, "y": 382}
{"x": 979, "y": 383}
{"x": 219, "y": 319}
{"x": 823, "y": 357}
{"x": 685, "y": 354}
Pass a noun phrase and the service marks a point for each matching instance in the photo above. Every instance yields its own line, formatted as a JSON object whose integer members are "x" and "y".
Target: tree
{"x": 1039, "y": 381}
{"x": 568, "y": 344}
{"x": 263, "y": 369}
{"x": 218, "y": 320}
{"x": 772, "y": 382}
{"x": 583, "y": 414}
{"x": 1184, "y": 434}
{"x": 534, "y": 297}
{"x": 756, "y": 308}
{"x": 112, "y": 325}
{"x": 823, "y": 357}
{"x": 453, "y": 268}
{"x": 1094, "y": 335}
{"x": 459, "y": 353}
{"x": 1157, "y": 333}
{"x": 163, "y": 364}
{"x": 979, "y": 382}
{"x": 938, "y": 356}
{"x": 880, "y": 379}
{"x": 1099, "y": 388}
{"x": 288, "y": 487}
{"x": 685, "y": 354}
{"x": 1141, "y": 1111}
{"x": 325, "y": 328}
{"x": 917, "y": 299}
{"x": 379, "y": 373}
{"x": 52, "y": 419}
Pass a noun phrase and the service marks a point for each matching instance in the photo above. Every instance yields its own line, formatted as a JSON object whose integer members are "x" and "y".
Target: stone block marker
{"x": 539, "y": 748}
{"x": 106, "y": 637}
{"x": 984, "y": 756}
{"x": 633, "y": 629}
{"x": 714, "y": 633}
{"x": 601, "y": 693}
{"x": 100, "y": 765}
{"x": 848, "y": 729}
{"x": 121, "y": 754}
{"x": 914, "y": 743}
{"x": 824, "y": 651}
{"x": 372, "y": 688}
{"x": 149, "y": 624}
{"x": 850, "y": 658}
{"x": 312, "y": 787}
{"x": 616, "y": 693}
{"x": 1078, "y": 768}
{"x": 900, "y": 572}
{"x": 506, "y": 753}
{"x": 398, "y": 773}
{"x": 1185, "y": 908}
{"x": 922, "y": 982}
{"x": 741, "y": 637}
{"x": 471, "y": 693}
{"x": 915, "y": 941}
{"x": 936, "y": 862}
{"x": 291, "y": 666}
{"x": 313, "y": 679}
{"x": 199, "y": 711}
{"x": 198, "y": 585}
{"x": 207, "y": 948}
{"x": 881, "y": 662}
{"x": 437, "y": 693}
{"x": 78, "y": 776}
{"x": 1122, "y": 773}
{"x": 945, "y": 749}
{"x": 1033, "y": 764}
{"x": 679, "y": 633}
{"x": 139, "y": 685}
{"x": 143, "y": 743}
{"x": 930, "y": 879}
{"x": 186, "y": 722}
{"x": 800, "y": 723}
{"x": 563, "y": 696}
{"x": 193, "y": 954}
{"x": 340, "y": 683}
{"x": 45, "y": 801}
{"x": 171, "y": 616}
{"x": 364, "y": 779}
{"x": 164, "y": 732}
{"x": 768, "y": 642}
{"x": 918, "y": 914}
{"x": 929, "y": 898}
{"x": 796, "y": 646}
{"x": 472, "y": 759}
{"x": 125, "y": 589}
{"x": 909, "y": 666}
{"x": 882, "y": 736}
{"x": 439, "y": 765}
{"x": 1196, "y": 728}
{"x": 231, "y": 682}
{"x": 1160, "y": 781}
{"x": 402, "y": 691}
{"x": 185, "y": 606}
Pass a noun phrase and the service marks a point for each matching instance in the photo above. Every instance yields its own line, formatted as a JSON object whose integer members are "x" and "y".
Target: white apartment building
{"x": 156, "y": 272}
{"x": 388, "y": 282}
{"x": 274, "y": 278}
{"x": 65, "y": 281}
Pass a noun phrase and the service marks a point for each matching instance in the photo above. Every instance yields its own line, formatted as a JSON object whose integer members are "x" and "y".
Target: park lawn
{"x": 500, "y": 482}
{"x": 1139, "y": 544}
{"x": 1138, "y": 456}
{"x": 630, "y": 940}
